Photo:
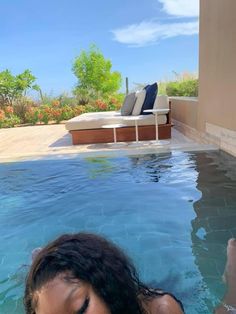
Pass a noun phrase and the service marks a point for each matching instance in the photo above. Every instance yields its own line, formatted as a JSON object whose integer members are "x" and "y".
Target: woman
{"x": 228, "y": 304}
{"x": 84, "y": 273}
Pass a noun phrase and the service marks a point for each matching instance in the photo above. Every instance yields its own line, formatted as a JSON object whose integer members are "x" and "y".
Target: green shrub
{"x": 84, "y": 95}
{"x": 188, "y": 88}
{"x": 162, "y": 88}
{"x": 67, "y": 100}
{"x": 183, "y": 84}
{"x": 115, "y": 101}
{"x": 55, "y": 109}
{"x": 44, "y": 114}
{"x": 67, "y": 112}
{"x": 31, "y": 115}
{"x": 9, "y": 121}
{"x": 21, "y": 106}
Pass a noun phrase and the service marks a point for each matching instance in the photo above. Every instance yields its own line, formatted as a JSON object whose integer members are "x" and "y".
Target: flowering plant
{"x": 9, "y": 110}
{"x": 2, "y": 115}
{"x": 101, "y": 105}
{"x": 57, "y": 115}
{"x": 8, "y": 122}
{"x": 55, "y": 103}
{"x": 31, "y": 115}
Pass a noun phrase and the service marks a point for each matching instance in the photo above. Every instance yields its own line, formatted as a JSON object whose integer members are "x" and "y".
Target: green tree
{"x": 13, "y": 87}
{"x": 94, "y": 74}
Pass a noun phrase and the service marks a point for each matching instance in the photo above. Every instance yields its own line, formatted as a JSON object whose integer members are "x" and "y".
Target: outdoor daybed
{"x": 88, "y": 127}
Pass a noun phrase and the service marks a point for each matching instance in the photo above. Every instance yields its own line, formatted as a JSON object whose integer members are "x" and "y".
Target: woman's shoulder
{"x": 164, "y": 304}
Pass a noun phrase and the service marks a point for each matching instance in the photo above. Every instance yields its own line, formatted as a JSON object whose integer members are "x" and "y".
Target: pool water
{"x": 172, "y": 213}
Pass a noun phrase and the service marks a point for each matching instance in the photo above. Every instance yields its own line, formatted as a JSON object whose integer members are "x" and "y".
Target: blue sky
{"x": 145, "y": 40}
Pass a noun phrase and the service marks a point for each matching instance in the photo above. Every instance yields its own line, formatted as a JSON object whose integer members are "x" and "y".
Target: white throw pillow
{"x": 161, "y": 102}
{"x": 140, "y": 97}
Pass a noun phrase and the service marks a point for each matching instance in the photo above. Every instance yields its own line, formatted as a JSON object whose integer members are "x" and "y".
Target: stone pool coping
{"x": 34, "y": 142}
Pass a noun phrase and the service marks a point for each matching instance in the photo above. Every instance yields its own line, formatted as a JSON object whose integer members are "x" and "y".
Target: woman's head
{"x": 82, "y": 273}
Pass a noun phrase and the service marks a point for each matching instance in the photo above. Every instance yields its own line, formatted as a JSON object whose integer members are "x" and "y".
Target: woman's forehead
{"x": 57, "y": 295}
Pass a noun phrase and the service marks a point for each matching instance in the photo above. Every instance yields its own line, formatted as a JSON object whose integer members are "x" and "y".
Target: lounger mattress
{"x": 95, "y": 120}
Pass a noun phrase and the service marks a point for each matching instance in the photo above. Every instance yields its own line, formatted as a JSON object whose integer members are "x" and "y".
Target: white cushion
{"x": 161, "y": 102}
{"x": 140, "y": 97}
{"x": 95, "y": 120}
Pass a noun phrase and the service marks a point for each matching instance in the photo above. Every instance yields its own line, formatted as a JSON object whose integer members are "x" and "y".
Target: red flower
{"x": 40, "y": 115}
{"x": 48, "y": 110}
{"x": 56, "y": 113}
{"x": 9, "y": 109}
{"x": 101, "y": 105}
{"x": 2, "y": 115}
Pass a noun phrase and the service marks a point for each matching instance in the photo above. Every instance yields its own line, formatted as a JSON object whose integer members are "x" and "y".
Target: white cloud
{"x": 145, "y": 33}
{"x": 187, "y": 8}
{"x": 149, "y": 32}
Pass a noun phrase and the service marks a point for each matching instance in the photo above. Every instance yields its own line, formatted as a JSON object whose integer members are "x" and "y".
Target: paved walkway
{"x": 36, "y": 141}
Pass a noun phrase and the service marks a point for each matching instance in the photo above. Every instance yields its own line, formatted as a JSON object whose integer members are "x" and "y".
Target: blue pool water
{"x": 172, "y": 213}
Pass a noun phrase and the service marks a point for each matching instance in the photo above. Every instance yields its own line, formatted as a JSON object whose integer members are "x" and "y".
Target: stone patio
{"x": 44, "y": 140}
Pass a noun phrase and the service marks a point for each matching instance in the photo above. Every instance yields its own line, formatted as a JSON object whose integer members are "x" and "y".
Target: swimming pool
{"x": 172, "y": 213}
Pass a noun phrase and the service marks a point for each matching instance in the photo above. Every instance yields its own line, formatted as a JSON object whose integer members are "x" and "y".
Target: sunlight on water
{"x": 172, "y": 213}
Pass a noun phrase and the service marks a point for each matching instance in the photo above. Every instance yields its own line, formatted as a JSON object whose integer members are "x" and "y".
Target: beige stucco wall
{"x": 185, "y": 110}
{"x": 213, "y": 120}
{"x": 217, "y": 64}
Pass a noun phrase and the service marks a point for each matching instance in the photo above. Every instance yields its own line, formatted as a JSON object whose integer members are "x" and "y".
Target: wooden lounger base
{"x": 125, "y": 134}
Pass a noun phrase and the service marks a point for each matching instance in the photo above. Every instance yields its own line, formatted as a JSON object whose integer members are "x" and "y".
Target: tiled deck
{"x": 36, "y": 141}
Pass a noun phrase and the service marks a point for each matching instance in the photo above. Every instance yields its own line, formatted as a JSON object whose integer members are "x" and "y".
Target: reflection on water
{"x": 172, "y": 213}
{"x": 215, "y": 221}
{"x": 99, "y": 166}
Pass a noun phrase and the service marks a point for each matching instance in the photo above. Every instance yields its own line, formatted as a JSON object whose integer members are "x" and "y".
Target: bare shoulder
{"x": 164, "y": 305}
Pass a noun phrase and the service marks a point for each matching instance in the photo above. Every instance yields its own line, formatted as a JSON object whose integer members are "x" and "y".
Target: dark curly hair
{"x": 94, "y": 260}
